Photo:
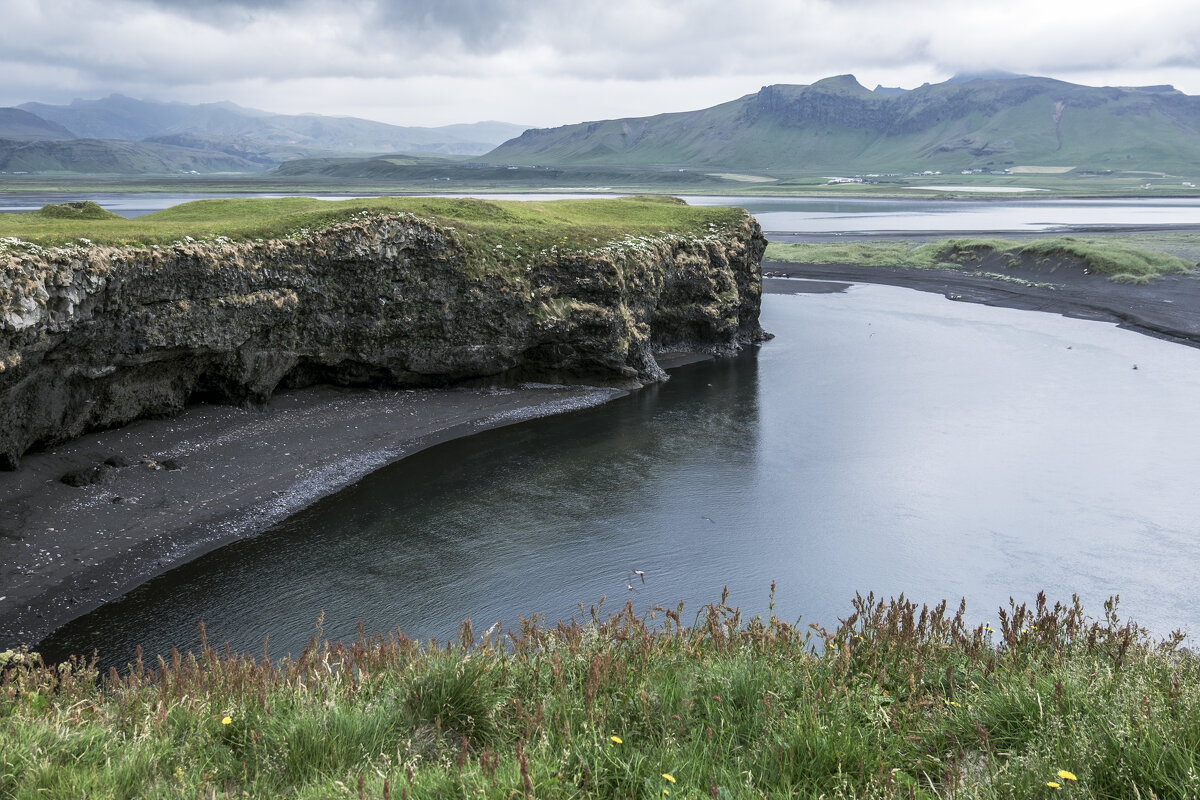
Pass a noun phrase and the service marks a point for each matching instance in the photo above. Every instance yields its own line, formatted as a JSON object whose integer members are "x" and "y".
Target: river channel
{"x": 886, "y": 440}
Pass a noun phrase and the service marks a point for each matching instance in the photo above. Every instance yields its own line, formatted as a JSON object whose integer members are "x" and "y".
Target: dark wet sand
{"x": 66, "y": 550}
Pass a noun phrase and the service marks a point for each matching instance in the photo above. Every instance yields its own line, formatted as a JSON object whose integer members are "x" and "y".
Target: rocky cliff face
{"x": 93, "y": 337}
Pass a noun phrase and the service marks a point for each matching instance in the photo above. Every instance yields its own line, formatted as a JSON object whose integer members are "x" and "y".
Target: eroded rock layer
{"x": 92, "y": 337}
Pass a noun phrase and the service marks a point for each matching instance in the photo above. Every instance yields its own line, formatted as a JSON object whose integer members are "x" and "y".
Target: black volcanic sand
{"x": 1167, "y": 307}
{"x": 212, "y": 475}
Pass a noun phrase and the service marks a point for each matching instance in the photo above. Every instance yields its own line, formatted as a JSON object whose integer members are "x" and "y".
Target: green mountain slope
{"x": 838, "y": 125}
{"x": 18, "y": 124}
{"x": 113, "y": 157}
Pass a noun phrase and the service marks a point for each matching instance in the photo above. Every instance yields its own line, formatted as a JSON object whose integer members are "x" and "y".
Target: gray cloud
{"x": 479, "y": 25}
{"x": 552, "y": 62}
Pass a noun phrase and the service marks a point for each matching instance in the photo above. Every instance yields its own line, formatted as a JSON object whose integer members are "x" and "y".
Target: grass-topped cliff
{"x": 105, "y": 319}
{"x": 897, "y": 701}
{"x": 579, "y": 224}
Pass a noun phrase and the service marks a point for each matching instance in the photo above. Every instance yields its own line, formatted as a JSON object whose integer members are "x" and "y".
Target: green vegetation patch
{"x": 897, "y": 701}
{"x": 507, "y": 230}
{"x": 1121, "y": 261}
{"x": 85, "y": 210}
{"x": 1109, "y": 258}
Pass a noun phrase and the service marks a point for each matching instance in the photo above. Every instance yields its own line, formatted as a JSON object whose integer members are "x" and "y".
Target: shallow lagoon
{"x": 886, "y": 440}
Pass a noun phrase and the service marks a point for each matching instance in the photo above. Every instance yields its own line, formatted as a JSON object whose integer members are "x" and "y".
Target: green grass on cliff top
{"x": 571, "y": 224}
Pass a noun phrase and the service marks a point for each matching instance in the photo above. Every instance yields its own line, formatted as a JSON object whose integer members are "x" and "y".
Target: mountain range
{"x": 119, "y": 134}
{"x": 971, "y": 122}
{"x": 987, "y": 122}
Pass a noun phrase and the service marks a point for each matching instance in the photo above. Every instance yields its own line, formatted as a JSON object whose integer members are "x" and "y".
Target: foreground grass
{"x": 1120, "y": 261}
{"x": 477, "y": 223}
{"x": 896, "y": 701}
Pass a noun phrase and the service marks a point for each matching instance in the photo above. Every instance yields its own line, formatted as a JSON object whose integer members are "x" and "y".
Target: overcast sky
{"x": 553, "y": 62}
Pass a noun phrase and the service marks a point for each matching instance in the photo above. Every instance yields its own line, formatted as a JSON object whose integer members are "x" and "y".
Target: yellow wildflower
{"x": 1052, "y": 784}
{"x": 1066, "y": 776}
{"x": 226, "y": 720}
{"x": 668, "y": 777}
{"x": 616, "y": 740}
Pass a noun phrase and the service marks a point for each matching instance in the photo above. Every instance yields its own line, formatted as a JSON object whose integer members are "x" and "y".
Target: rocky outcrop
{"x": 92, "y": 337}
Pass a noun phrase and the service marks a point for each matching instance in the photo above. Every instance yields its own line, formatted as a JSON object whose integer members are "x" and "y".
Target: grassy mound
{"x": 525, "y": 224}
{"x": 84, "y": 210}
{"x": 1104, "y": 256}
{"x": 1117, "y": 261}
{"x": 896, "y": 701}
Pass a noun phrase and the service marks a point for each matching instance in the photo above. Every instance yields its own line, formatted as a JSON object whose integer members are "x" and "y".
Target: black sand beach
{"x": 211, "y": 476}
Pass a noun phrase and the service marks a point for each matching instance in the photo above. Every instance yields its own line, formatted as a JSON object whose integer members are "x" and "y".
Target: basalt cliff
{"x": 93, "y": 336}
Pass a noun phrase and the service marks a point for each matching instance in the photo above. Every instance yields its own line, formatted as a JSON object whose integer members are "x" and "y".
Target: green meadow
{"x": 1123, "y": 259}
{"x": 895, "y": 701}
{"x": 577, "y": 223}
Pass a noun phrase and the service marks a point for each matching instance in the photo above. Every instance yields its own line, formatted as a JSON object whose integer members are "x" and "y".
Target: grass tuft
{"x": 896, "y": 701}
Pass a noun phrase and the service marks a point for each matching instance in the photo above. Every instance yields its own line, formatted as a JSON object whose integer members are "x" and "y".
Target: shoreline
{"x": 1167, "y": 307}
{"x": 214, "y": 475}
{"x": 64, "y": 550}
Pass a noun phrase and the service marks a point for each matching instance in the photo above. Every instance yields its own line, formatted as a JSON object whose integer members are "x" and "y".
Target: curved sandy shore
{"x": 66, "y": 550}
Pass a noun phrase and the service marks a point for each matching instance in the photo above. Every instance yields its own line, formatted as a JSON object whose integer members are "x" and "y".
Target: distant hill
{"x": 837, "y": 125}
{"x": 114, "y": 157}
{"x": 18, "y": 124}
{"x": 260, "y": 134}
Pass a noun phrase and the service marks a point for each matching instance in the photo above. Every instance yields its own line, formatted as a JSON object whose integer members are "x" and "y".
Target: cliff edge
{"x": 94, "y": 336}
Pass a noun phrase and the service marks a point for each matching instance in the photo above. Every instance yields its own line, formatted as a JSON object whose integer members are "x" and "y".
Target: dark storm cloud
{"x": 480, "y": 25}
{"x": 218, "y": 7}
{"x": 221, "y": 12}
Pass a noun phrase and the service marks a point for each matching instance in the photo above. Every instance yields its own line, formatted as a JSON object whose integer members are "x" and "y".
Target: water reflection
{"x": 531, "y": 519}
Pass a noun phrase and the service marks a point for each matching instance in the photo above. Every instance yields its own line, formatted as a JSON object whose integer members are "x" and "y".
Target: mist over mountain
{"x": 125, "y": 133}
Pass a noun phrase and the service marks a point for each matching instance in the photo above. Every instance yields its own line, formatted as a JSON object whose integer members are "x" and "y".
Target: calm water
{"x": 798, "y": 215}
{"x": 885, "y": 440}
{"x": 809, "y": 215}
